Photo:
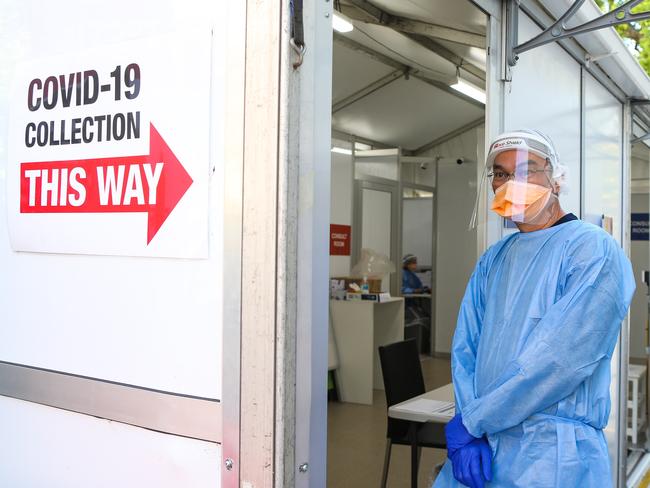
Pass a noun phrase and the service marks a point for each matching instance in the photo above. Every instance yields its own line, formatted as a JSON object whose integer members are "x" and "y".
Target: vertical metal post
{"x": 434, "y": 261}
{"x": 397, "y": 291}
{"x": 511, "y": 37}
{"x": 313, "y": 141}
{"x": 235, "y": 51}
{"x": 489, "y": 228}
{"x": 583, "y": 138}
{"x": 626, "y": 155}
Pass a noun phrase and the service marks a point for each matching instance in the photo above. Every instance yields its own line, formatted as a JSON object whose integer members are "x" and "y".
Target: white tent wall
{"x": 545, "y": 95}
{"x": 455, "y": 244}
{"x": 417, "y": 229}
{"x": 418, "y": 174}
{"x": 130, "y": 324}
{"x": 54, "y": 448}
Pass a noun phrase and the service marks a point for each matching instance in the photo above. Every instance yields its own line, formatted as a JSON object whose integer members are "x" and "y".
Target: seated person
{"x": 410, "y": 282}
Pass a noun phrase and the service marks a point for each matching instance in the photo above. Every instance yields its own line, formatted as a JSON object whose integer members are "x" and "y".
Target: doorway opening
{"x": 408, "y": 119}
{"x": 639, "y": 338}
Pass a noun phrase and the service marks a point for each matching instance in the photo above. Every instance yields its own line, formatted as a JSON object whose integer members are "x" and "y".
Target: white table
{"x": 360, "y": 327}
{"x": 444, "y": 394}
{"x": 398, "y": 411}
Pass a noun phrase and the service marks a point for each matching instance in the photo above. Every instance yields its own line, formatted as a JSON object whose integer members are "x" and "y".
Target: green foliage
{"x": 635, "y": 34}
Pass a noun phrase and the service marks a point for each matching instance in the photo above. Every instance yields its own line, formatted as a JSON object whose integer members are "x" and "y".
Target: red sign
{"x": 152, "y": 183}
{"x": 340, "y": 240}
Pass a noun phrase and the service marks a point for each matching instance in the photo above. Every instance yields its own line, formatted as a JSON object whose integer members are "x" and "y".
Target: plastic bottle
{"x": 365, "y": 288}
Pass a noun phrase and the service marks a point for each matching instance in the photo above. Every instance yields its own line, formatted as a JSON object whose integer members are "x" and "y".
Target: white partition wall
{"x": 110, "y": 320}
{"x": 46, "y": 447}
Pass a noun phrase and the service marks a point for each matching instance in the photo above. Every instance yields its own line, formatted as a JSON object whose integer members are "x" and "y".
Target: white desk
{"x": 444, "y": 394}
{"x": 360, "y": 327}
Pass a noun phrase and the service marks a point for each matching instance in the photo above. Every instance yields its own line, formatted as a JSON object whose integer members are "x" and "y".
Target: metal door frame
{"x": 388, "y": 186}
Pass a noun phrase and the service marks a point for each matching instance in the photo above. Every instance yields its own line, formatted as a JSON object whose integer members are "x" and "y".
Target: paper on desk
{"x": 427, "y": 406}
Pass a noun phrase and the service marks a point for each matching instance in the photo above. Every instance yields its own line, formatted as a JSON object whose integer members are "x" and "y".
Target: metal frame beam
{"x": 380, "y": 17}
{"x": 366, "y": 12}
{"x": 451, "y": 135}
{"x": 542, "y": 18}
{"x": 369, "y": 89}
{"x": 450, "y": 56}
{"x": 349, "y": 43}
{"x": 559, "y": 30}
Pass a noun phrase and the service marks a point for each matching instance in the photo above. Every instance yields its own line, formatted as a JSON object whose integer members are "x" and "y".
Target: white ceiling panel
{"x": 352, "y": 71}
{"x": 406, "y": 113}
{"x": 397, "y": 46}
{"x": 459, "y": 14}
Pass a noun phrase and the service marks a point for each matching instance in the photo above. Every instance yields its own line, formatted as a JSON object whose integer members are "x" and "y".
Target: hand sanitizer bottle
{"x": 365, "y": 288}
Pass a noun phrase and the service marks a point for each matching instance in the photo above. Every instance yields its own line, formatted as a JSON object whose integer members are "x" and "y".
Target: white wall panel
{"x": 545, "y": 95}
{"x": 377, "y": 211}
{"x": 44, "y": 447}
{"x": 417, "y": 229}
{"x": 150, "y": 322}
{"x": 603, "y": 155}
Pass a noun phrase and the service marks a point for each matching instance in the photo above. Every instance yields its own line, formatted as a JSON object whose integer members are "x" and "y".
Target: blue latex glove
{"x": 472, "y": 464}
{"x": 457, "y": 435}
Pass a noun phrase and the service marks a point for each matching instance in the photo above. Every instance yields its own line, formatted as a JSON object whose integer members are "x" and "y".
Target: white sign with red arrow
{"x": 109, "y": 151}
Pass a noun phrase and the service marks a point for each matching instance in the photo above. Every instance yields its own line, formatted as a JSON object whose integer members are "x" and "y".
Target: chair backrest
{"x": 402, "y": 372}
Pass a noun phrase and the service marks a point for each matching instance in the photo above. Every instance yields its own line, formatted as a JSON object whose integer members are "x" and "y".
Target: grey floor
{"x": 357, "y": 440}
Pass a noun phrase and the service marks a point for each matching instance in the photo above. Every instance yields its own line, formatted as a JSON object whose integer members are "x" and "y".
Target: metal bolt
{"x": 303, "y": 467}
{"x": 229, "y": 464}
{"x": 327, "y": 15}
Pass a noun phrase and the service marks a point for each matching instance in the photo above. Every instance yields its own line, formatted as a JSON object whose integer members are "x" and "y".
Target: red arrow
{"x": 121, "y": 184}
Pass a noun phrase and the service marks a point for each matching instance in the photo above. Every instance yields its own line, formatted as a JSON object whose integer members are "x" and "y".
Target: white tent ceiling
{"x": 458, "y": 14}
{"x": 400, "y": 112}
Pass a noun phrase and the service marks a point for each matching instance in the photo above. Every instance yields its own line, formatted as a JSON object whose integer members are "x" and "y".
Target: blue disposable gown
{"x": 531, "y": 355}
{"x": 410, "y": 281}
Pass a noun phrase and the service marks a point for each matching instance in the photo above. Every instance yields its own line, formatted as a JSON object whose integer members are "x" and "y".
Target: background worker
{"x": 411, "y": 283}
{"x": 535, "y": 334}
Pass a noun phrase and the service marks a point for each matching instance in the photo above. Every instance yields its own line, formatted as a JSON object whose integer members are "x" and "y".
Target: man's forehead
{"x": 514, "y": 157}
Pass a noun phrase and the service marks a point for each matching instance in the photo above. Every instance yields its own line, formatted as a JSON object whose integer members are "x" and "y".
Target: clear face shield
{"x": 522, "y": 182}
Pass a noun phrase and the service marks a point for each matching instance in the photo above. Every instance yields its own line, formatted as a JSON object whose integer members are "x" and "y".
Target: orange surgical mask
{"x": 520, "y": 201}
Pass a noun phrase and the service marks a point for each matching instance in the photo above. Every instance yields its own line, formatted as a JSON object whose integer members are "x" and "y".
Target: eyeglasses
{"x": 500, "y": 176}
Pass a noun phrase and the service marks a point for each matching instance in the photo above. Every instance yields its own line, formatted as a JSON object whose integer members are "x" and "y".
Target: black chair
{"x": 402, "y": 372}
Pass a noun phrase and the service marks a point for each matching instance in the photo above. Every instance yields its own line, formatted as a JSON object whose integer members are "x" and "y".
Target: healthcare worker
{"x": 411, "y": 283}
{"x": 536, "y": 330}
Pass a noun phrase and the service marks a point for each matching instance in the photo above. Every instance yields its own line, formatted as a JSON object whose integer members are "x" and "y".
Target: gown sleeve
{"x": 569, "y": 342}
{"x": 466, "y": 337}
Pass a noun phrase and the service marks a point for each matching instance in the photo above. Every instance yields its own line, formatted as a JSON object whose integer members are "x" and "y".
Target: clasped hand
{"x": 471, "y": 457}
